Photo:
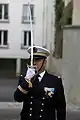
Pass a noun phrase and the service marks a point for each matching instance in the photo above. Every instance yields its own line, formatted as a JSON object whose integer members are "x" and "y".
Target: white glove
{"x": 30, "y": 73}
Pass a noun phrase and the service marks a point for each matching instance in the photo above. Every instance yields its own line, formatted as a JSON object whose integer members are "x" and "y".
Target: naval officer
{"x": 42, "y": 93}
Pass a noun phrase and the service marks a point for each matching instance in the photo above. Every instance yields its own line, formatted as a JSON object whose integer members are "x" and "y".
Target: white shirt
{"x": 41, "y": 75}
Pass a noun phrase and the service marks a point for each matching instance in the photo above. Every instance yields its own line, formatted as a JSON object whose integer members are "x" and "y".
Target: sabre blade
{"x": 31, "y": 28}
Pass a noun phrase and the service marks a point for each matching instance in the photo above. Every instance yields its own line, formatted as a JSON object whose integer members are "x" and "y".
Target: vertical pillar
{"x": 18, "y": 66}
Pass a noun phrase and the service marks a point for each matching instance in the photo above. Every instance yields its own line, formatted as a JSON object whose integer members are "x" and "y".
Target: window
{"x": 26, "y": 14}
{"x": 4, "y": 12}
{"x": 3, "y": 37}
{"x": 26, "y": 39}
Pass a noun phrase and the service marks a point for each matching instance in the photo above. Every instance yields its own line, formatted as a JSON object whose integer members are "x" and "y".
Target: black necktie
{"x": 37, "y": 78}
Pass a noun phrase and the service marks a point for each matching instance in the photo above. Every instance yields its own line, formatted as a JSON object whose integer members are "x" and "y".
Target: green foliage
{"x": 63, "y": 17}
{"x": 66, "y": 19}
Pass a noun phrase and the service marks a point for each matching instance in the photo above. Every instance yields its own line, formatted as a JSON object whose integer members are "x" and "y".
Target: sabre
{"x": 31, "y": 28}
{"x": 32, "y": 71}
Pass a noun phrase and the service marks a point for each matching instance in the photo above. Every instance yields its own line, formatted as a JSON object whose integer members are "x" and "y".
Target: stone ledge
{"x": 72, "y": 107}
{"x": 10, "y": 105}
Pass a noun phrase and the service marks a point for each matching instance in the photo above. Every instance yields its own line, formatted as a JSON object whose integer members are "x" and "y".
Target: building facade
{"x": 71, "y": 64}
{"x": 76, "y": 9}
{"x": 15, "y": 31}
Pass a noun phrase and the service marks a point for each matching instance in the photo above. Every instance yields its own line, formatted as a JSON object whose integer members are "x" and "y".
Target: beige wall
{"x": 76, "y": 9}
{"x": 76, "y": 12}
{"x": 71, "y": 63}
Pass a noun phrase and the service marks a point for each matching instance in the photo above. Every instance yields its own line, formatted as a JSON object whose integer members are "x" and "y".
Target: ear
{"x": 45, "y": 61}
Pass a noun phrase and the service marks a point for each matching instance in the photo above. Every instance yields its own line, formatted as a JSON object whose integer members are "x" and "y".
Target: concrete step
{"x": 10, "y": 105}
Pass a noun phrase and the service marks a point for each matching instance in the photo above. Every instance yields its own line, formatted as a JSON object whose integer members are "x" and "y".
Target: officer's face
{"x": 40, "y": 64}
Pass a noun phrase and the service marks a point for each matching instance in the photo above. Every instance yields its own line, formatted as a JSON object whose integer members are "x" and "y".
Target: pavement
{"x": 7, "y": 88}
{"x": 9, "y": 114}
{"x": 11, "y": 111}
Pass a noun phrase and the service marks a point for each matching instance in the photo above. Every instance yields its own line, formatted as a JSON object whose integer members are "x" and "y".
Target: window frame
{"x": 23, "y": 46}
{"x": 28, "y": 20}
{"x": 3, "y": 19}
{"x": 2, "y": 38}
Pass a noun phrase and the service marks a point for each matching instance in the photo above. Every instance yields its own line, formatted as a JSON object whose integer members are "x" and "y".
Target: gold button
{"x": 30, "y": 108}
{"x": 30, "y": 114}
{"x": 40, "y": 116}
{"x": 31, "y": 96}
{"x": 42, "y": 104}
{"x": 30, "y": 102}
{"x": 41, "y": 110}
{"x": 43, "y": 98}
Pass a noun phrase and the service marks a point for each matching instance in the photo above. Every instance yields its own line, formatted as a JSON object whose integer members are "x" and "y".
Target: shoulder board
{"x": 59, "y": 76}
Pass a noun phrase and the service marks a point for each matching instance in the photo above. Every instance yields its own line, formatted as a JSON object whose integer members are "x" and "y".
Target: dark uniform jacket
{"x": 39, "y": 104}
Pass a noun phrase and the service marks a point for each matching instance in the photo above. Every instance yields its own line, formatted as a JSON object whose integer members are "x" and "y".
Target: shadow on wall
{"x": 7, "y": 68}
